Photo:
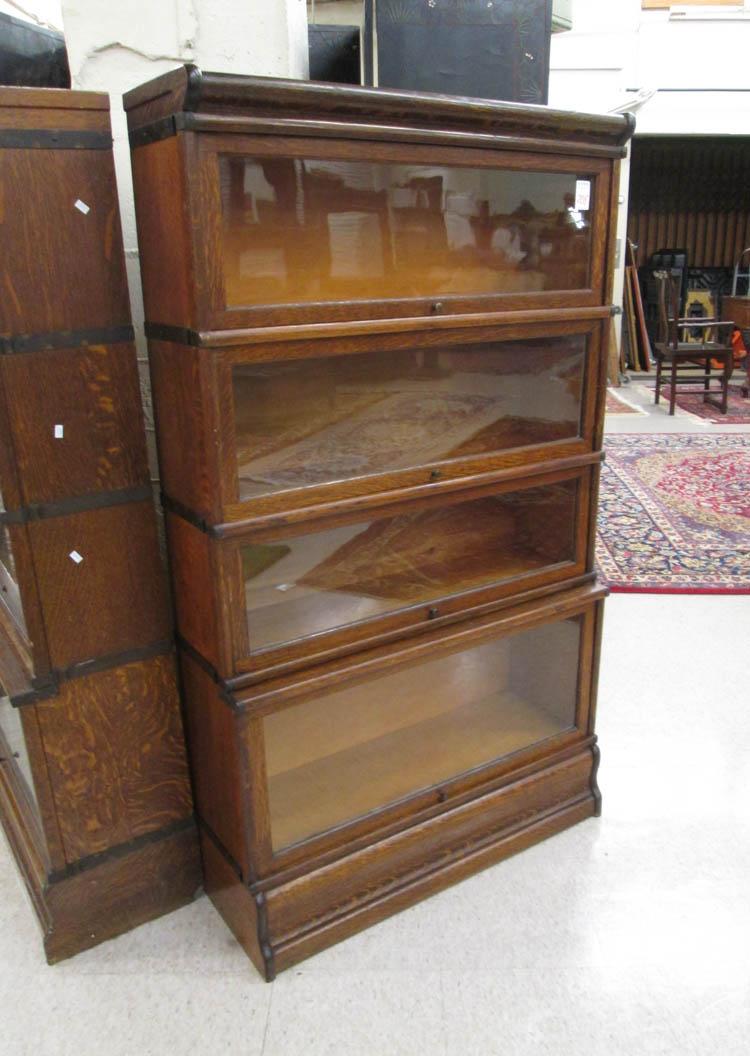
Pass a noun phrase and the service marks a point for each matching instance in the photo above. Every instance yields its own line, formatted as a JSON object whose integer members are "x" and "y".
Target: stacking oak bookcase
{"x": 95, "y": 792}
{"x": 377, "y": 327}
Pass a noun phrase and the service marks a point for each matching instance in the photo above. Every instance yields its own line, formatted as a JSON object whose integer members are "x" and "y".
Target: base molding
{"x": 285, "y": 924}
{"x": 121, "y": 893}
{"x": 110, "y": 896}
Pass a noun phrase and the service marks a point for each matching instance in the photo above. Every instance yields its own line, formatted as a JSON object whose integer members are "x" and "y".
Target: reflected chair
{"x": 688, "y": 350}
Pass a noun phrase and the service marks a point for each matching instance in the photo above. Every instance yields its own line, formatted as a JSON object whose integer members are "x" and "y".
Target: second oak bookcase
{"x": 377, "y": 326}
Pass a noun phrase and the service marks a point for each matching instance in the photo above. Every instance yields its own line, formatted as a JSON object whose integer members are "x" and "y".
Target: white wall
{"x": 336, "y": 12}
{"x": 114, "y": 45}
{"x": 46, "y": 13}
{"x": 615, "y": 46}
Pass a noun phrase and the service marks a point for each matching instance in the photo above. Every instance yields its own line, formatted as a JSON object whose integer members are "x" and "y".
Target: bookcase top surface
{"x": 52, "y": 98}
{"x": 188, "y": 90}
{"x": 54, "y": 117}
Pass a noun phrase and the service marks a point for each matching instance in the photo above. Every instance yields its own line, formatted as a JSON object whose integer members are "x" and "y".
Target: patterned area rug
{"x": 738, "y": 408}
{"x": 616, "y": 404}
{"x": 675, "y": 514}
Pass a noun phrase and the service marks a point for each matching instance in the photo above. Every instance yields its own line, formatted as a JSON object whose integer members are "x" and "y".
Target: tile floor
{"x": 629, "y": 934}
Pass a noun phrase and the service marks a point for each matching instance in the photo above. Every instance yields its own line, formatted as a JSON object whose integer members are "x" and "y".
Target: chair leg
{"x": 706, "y": 379}
{"x": 728, "y": 369}
{"x": 673, "y": 387}
{"x": 658, "y": 379}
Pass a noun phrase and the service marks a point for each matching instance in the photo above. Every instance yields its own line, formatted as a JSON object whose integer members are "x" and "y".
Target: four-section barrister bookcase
{"x": 377, "y": 327}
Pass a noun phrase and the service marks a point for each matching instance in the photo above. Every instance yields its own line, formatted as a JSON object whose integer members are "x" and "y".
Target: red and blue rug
{"x": 617, "y": 404}
{"x": 675, "y": 514}
{"x": 738, "y": 406}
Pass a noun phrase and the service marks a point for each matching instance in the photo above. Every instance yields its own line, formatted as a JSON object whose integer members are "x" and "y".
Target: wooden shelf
{"x": 348, "y": 784}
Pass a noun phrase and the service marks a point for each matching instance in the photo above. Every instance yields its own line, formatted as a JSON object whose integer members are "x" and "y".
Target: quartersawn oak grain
{"x": 116, "y": 755}
{"x": 111, "y": 601}
{"x": 107, "y": 840}
{"x": 78, "y": 429}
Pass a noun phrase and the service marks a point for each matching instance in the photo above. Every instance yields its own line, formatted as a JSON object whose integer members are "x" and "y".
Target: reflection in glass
{"x": 9, "y": 592}
{"x": 341, "y": 755}
{"x": 311, "y": 583}
{"x": 310, "y": 421}
{"x": 11, "y": 732}
{"x": 319, "y": 230}
{"x": 6, "y": 554}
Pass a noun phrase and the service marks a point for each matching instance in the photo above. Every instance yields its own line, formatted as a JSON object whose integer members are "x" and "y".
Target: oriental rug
{"x": 675, "y": 514}
{"x": 738, "y": 408}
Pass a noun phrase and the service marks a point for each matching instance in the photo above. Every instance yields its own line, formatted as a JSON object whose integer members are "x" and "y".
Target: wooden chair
{"x": 690, "y": 357}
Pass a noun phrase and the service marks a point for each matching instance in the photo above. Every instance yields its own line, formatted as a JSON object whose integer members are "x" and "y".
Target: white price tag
{"x": 583, "y": 195}
{"x": 81, "y": 206}
{"x": 59, "y": 431}
{"x": 75, "y": 556}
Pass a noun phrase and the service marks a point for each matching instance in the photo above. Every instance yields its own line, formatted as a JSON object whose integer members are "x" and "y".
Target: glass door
{"x": 335, "y": 579}
{"x": 316, "y": 229}
{"x": 361, "y": 749}
{"x": 415, "y": 414}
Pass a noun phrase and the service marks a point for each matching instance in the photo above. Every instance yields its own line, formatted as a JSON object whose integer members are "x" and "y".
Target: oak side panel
{"x": 214, "y": 761}
{"x": 116, "y": 755}
{"x": 66, "y": 268}
{"x": 195, "y": 590}
{"x": 233, "y": 901}
{"x": 182, "y": 410}
{"x": 163, "y": 232}
{"x": 115, "y": 598}
{"x": 91, "y": 396}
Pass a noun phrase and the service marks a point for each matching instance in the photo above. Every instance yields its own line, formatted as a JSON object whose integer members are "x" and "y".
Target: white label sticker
{"x": 75, "y": 556}
{"x": 583, "y": 194}
{"x": 59, "y": 431}
{"x": 81, "y": 206}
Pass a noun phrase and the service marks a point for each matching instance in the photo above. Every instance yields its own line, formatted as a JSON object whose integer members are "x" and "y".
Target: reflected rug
{"x": 617, "y": 404}
{"x": 674, "y": 514}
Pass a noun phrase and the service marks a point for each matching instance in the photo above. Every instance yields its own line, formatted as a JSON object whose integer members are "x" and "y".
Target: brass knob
{"x": 437, "y": 307}
{"x": 435, "y": 474}
{"x": 433, "y": 614}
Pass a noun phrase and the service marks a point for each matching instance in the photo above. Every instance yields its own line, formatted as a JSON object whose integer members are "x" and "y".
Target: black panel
{"x": 368, "y": 76}
{"x": 494, "y": 49}
{"x": 31, "y": 56}
{"x": 334, "y": 53}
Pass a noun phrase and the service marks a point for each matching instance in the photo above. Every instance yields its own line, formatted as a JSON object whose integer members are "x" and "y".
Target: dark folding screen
{"x": 495, "y": 49}
{"x": 31, "y": 56}
{"x": 334, "y": 53}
